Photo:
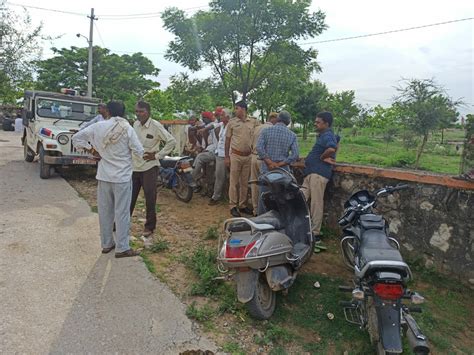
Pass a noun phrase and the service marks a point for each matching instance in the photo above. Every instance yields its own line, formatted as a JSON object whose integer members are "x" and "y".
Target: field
{"x": 374, "y": 148}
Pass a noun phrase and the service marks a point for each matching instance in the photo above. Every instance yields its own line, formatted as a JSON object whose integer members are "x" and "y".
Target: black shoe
{"x": 235, "y": 212}
{"x": 246, "y": 210}
{"x": 213, "y": 202}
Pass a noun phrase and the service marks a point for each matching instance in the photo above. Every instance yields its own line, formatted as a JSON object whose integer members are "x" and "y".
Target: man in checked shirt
{"x": 277, "y": 146}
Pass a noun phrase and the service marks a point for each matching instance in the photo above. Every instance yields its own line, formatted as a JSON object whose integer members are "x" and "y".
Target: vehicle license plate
{"x": 84, "y": 161}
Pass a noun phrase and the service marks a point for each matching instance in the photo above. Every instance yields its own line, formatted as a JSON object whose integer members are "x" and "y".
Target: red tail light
{"x": 388, "y": 291}
{"x": 237, "y": 252}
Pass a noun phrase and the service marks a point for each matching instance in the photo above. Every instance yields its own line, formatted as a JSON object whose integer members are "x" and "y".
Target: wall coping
{"x": 406, "y": 175}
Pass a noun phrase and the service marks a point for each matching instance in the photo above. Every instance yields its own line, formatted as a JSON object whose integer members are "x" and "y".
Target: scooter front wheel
{"x": 263, "y": 303}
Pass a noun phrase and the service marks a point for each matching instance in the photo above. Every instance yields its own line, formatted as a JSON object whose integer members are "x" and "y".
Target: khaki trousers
{"x": 254, "y": 188}
{"x": 239, "y": 178}
{"x": 313, "y": 190}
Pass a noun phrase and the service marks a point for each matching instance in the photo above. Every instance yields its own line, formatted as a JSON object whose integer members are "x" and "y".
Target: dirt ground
{"x": 184, "y": 226}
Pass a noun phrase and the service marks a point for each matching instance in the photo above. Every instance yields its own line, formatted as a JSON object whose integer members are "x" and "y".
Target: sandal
{"x": 126, "y": 254}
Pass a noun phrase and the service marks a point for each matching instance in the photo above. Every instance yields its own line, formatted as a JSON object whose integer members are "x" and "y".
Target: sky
{"x": 371, "y": 66}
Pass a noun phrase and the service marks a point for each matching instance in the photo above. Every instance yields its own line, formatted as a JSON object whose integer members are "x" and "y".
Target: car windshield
{"x": 69, "y": 110}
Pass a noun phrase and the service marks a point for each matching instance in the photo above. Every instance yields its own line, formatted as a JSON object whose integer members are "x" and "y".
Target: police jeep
{"x": 50, "y": 120}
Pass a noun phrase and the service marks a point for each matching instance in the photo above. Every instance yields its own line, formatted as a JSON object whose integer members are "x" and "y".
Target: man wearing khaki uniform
{"x": 238, "y": 150}
{"x": 256, "y": 163}
{"x": 145, "y": 170}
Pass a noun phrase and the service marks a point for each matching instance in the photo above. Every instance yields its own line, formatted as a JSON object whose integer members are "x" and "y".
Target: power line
{"x": 388, "y": 32}
{"x": 45, "y": 9}
{"x": 146, "y": 14}
{"x": 100, "y": 37}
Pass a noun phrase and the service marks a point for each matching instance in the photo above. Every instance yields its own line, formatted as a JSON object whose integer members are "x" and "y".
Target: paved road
{"x": 58, "y": 293}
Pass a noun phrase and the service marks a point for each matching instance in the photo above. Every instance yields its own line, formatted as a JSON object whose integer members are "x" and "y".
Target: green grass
{"x": 148, "y": 263}
{"x": 159, "y": 245}
{"x": 94, "y": 209}
{"x": 211, "y": 233}
{"x": 233, "y": 348}
{"x": 370, "y": 149}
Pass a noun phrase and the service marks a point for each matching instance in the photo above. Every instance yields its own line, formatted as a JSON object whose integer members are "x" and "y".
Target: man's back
{"x": 114, "y": 140}
{"x": 277, "y": 143}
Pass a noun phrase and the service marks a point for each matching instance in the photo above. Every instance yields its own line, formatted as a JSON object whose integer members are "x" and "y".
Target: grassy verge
{"x": 371, "y": 150}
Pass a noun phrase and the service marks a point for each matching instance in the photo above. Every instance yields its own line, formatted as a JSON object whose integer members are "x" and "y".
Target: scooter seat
{"x": 375, "y": 246}
{"x": 271, "y": 217}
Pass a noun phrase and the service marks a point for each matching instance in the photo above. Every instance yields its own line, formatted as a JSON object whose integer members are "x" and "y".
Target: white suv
{"x": 50, "y": 120}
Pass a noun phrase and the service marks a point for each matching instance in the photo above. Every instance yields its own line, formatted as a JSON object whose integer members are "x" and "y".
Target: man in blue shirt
{"x": 318, "y": 168}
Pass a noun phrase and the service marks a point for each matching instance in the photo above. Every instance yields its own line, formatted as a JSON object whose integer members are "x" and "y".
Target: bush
{"x": 402, "y": 159}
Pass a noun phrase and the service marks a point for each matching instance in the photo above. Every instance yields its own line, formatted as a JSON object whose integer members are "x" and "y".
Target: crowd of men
{"x": 227, "y": 143}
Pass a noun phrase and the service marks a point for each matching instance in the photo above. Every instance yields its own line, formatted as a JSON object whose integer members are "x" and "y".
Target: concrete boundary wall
{"x": 433, "y": 220}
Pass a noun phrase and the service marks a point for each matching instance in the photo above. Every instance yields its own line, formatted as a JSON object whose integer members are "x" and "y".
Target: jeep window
{"x": 77, "y": 111}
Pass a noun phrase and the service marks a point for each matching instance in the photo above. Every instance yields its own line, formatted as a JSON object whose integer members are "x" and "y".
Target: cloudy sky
{"x": 371, "y": 66}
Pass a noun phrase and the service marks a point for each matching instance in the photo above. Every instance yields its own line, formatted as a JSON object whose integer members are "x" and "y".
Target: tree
{"x": 162, "y": 104}
{"x": 19, "y": 46}
{"x": 123, "y": 77}
{"x": 311, "y": 99}
{"x": 196, "y": 94}
{"x": 425, "y": 104}
{"x": 238, "y": 39}
{"x": 343, "y": 107}
{"x": 278, "y": 89}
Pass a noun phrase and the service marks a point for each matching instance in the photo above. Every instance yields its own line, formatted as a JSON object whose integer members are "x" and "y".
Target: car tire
{"x": 45, "y": 169}
{"x": 28, "y": 154}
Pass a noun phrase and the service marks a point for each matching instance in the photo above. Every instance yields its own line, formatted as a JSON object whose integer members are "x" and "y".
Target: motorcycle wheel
{"x": 183, "y": 191}
{"x": 263, "y": 303}
{"x": 348, "y": 253}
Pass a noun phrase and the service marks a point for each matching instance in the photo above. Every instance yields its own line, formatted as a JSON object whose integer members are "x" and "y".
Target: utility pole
{"x": 89, "y": 63}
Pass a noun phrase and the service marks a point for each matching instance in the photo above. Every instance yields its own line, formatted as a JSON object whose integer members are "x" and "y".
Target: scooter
{"x": 265, "y": 252}
{"x": 175, "y": 174}
{"x": 380, "y": 277}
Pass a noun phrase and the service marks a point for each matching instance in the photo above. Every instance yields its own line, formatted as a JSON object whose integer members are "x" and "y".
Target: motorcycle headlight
{"x": 63, "y": 139}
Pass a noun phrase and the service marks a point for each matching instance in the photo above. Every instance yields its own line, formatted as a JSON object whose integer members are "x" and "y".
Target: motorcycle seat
{"x": 372, "y": 221}
{"x": 375, "y": 246}
{"x": 169, "y": 162}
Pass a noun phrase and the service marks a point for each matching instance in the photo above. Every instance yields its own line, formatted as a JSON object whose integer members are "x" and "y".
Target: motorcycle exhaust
{"x": 415, "y": 337}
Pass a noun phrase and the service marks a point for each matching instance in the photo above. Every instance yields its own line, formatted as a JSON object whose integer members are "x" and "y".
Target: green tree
{"x": 425, "y": 104}
{"x": 118, "y": 77}
{"x": 162, "y": 104}
{"x": 278, "y": 88}
{"x": 195, "y": 94}
{"x": 238, "y": 39}
{"x": 19, "y": 47}
{"x": 311, "y": 99}
{"x": 343, "y": 107}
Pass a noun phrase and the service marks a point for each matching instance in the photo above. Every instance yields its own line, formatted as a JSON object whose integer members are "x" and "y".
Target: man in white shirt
{"x": 221, "y": 169}
{"x": 151, "y": 134}
{"x": 18, "y": 124}
{"x": 113, "y": 141}
{"x": 103, "y": 115}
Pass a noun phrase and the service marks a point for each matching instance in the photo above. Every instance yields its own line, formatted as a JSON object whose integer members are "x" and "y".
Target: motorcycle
{"x": 380, "y": 277}
{"x": 175, "y": 174}
{"x": 266, "y": 252}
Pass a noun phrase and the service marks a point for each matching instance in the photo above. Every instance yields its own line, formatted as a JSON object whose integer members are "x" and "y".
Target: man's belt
{"x": 237, "y": 152}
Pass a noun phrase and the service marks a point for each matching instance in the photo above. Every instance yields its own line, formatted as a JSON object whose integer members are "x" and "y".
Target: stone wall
{"x": 433, "y": 220}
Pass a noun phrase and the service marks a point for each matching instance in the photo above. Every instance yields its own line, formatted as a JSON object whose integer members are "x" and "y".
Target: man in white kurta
{"x": 114, "y": 141}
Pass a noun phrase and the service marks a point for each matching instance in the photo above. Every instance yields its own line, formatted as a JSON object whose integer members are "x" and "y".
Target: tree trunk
{"x": 420, "y": 150}
{"x": 305, "y": 131}
{"x": 442, "y": 136}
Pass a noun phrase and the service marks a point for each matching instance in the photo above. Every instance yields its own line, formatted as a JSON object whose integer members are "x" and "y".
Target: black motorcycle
{"x": 380, "y": 277}
{"x": 175, "y": 174}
